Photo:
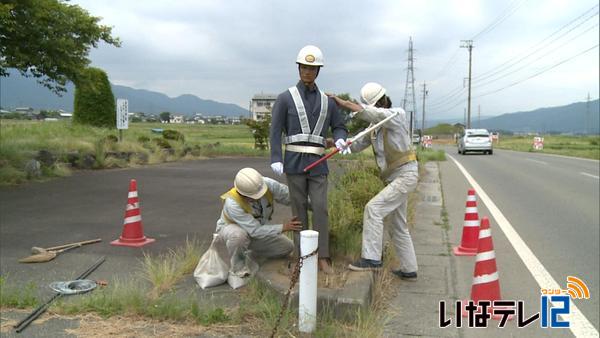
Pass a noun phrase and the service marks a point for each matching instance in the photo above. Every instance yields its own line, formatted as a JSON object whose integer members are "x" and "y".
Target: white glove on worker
{"x": 277, "y": 168}
{"x": 342, "y": 146}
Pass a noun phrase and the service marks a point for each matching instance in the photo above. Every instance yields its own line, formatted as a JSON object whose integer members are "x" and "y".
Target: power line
{"x": 532, "y": 61}
{"x": 525, "y": 79}
{"x": 512, "y": 62}
{"x": 498, "y": 69}
{"x": 540, "y": 72}
{"x": 508, "y": 11}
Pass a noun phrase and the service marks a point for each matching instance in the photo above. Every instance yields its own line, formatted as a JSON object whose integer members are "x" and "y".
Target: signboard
{"x": 538, "y": 143}
{"x": 122, "y": 114}
{"x": 427, "y": 141}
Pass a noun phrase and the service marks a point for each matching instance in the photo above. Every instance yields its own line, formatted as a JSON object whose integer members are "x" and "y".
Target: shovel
{"x": 46, "y": 256}
{"x": 37, "y": 250}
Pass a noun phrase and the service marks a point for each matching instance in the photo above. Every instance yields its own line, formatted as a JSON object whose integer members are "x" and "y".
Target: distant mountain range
{"x": 19, "y": 91}
{"x": 576, "y": 118}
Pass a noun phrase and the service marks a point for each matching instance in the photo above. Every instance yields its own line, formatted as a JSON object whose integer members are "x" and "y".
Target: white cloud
{"x": 228, "y": 51}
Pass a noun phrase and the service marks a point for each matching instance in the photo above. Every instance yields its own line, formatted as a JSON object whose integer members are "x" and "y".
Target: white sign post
{"x": 122, "y": 116}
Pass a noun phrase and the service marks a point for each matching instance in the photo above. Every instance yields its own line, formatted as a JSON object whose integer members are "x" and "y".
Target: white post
{"x": 307, "y": 295}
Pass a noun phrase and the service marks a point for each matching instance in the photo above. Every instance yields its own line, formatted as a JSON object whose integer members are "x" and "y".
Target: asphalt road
{"x": 553, "y": 204}
{"x": 177, "y": 201}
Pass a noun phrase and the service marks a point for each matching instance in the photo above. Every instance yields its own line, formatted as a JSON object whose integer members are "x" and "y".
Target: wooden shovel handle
{"x": 74, "y": 244}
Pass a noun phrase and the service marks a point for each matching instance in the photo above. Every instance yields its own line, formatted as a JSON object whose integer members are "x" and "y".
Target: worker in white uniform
{"x": 247, "y": 208}
{"x": 396, "y": 160}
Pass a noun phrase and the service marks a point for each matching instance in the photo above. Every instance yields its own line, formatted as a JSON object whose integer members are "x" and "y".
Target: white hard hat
{"x": 311, "y": 56}
{"x": 371, "y": 92}
{"x": 250, "y": 183}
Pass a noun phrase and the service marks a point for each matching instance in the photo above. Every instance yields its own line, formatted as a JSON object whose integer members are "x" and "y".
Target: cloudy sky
{"x": 527, "y": 54}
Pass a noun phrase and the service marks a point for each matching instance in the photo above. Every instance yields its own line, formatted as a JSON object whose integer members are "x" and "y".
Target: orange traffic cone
{"x": 133, "y": 232}
{"x": 468, "y": 243}
{"x": 486, "y": 282}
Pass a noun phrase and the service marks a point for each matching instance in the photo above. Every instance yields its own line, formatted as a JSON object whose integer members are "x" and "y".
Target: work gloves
{"x": 342, "y": 146}
{"x": 277, "y": 168}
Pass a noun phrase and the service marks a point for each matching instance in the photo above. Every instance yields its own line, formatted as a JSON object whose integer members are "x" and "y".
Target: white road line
{"x": 590, "y": 175}
{"x": 580, "y": 325}
{"x": 542, "y": 162}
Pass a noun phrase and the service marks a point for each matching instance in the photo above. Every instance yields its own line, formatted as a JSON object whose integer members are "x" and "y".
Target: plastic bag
{"x": 241, "y": 273}
{"x": 211, "y": 270}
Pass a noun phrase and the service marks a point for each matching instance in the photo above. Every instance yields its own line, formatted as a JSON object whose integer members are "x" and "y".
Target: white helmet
{"x": 250, "y": 183}
{"x": 371, "y": 92}
{"x": 311, "y": 56}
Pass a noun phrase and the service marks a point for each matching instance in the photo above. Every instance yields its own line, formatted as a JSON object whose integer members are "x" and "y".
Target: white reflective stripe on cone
{"x": 132, "y": 206}
{"x": 132, "y": 194}
{"x": 484, "y": 256}
{"x": 471, "y": 210}
{"x": 471, "y": 223}
{"x": 485, "y": 233}
{"x": 485, "y": 278}
{"x": 132, "y": 219}
{"x": 471, "y": 198}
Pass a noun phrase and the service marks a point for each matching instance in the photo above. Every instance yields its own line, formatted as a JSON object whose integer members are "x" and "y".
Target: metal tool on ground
{"x": 36, "y": 250}
{"x": 352, "y": 140}
{"x": 20, "y": 326}
{"x": 46, "y": 256}
{"x": 73, "y": 287}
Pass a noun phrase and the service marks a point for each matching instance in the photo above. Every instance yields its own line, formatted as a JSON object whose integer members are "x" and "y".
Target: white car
{"x": 475, "y": 140}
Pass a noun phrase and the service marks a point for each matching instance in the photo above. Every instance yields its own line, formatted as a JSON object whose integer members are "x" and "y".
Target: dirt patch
{"x": 95, "y": 326}
{"x": 336, "y": 280}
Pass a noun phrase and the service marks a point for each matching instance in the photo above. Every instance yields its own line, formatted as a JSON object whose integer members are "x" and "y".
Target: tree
{"x": 48, "y": 39}
{"x": 354, "y": 125}
{"x": 260, "y": 131}
{"x": 165, "y": 116}
{"x": 94, "y": 99}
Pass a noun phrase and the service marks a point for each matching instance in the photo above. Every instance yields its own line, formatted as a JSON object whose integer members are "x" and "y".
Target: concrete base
{"x": 344, "y": 303}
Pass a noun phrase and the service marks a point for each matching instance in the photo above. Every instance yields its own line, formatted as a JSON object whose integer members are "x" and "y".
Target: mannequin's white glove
{"x": 277, "y": 168}
{"x": 342, "y": 146}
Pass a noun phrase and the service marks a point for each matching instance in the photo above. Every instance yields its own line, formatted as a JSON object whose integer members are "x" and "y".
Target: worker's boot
{"x": 325, "y": 266}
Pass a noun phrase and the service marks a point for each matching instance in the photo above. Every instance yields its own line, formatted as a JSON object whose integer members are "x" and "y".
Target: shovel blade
{"x": 39, "y": 258}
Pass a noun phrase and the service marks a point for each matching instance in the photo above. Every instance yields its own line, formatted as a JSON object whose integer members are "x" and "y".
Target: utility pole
{"x": 587, "y": 114}
{"x": 425, "y": 92}
{"x": 410, "y": 101}
{"x": 469, "y": 45}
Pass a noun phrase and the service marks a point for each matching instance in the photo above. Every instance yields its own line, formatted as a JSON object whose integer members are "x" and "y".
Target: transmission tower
{"x": 409, "y": 104}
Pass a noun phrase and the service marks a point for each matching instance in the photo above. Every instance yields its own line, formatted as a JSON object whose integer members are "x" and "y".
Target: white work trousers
{"x": 238, "y": 242}
{"x": 391, "y": 202}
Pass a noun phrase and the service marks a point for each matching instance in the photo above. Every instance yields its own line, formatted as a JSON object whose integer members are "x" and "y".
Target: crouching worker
{"x": 243, "y": 223}
{"x": 396, "y": 159}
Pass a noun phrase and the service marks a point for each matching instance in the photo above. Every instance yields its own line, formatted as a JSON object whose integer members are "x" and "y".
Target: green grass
{"x": 576, "y": 146}
{"x": 347, "y": 197}
{"x": 427, "y": 154}
{"x": 20, "y": 142}
{"x": 20, "y": 297}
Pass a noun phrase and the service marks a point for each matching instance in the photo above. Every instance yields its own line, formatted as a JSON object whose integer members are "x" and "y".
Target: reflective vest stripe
{"x": 322, "y": 115}
{"x": 300, "y": 109}
{"x": 307, "y": 136}
{"x": 304, "y": 138}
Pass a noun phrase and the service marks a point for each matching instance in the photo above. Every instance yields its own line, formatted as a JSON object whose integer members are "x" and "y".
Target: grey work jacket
{"x": 398, "y": 137}
{"x": 255, "y": 223}
{"x": 285, "y": 121}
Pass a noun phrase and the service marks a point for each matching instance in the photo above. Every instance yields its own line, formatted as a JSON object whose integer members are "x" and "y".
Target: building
{"x": 261, "y": 105}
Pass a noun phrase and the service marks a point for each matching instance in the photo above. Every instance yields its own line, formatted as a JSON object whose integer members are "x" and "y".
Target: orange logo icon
{"x": 577, "y": 289}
